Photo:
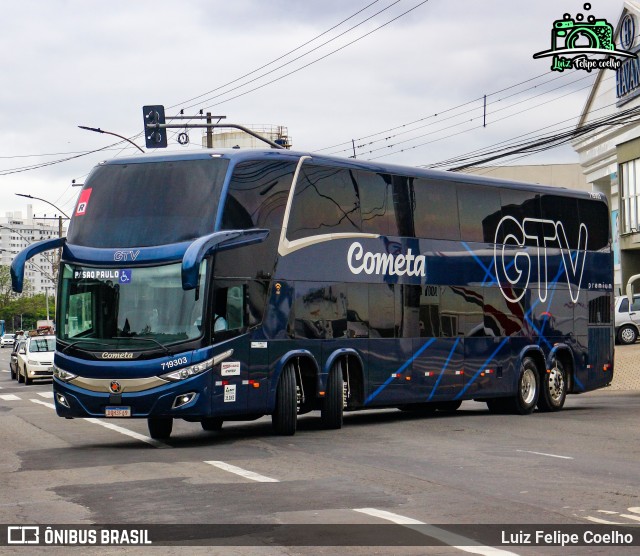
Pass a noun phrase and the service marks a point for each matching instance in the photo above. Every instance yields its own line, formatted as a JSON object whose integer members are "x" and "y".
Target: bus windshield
{"x": 129, "y": 308}
{"x": 153, "y": 203}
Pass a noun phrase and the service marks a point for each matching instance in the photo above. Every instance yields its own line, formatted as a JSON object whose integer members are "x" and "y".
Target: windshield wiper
{"x": 136, "y": 338}
{"x": 83, "y": 341}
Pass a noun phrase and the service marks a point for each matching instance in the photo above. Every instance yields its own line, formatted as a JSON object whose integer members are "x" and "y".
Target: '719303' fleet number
{"x": 174, "y": 363}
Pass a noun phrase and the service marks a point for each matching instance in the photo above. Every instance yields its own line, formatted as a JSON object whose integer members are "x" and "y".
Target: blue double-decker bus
{"x": 225, "y": 285}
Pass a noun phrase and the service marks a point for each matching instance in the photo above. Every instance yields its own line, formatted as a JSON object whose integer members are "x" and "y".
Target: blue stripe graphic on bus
{"x": 481, "y": 369}
{"x": 399, "y": 371}
{"x": 444, "y": 368}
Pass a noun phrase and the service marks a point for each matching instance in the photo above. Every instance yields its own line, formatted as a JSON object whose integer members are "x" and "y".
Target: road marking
{"x": 604, "y": 521}
{"x": 242, "y": 472}
{"x": 116, "y": 428}
{"x": 543, "y": 454}
{"x": 4, "y": 371}
{"x": 9, "y": 397}
{"x": 607, "y": 512}
{"x": 46, "y": 394}
{"x": 451, "y": 539}
{"x": 634, "y": 517}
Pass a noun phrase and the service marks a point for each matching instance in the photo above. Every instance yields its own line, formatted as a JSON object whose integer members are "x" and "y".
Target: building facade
{"x": 610, "y": 155}
{"x": 16, "y": 233}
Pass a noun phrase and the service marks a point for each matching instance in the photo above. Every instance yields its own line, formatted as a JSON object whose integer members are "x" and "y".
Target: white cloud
{"x": 97, "y": 63}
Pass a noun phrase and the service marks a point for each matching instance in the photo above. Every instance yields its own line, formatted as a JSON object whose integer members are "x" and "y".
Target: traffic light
{"x": 155, "y": 136}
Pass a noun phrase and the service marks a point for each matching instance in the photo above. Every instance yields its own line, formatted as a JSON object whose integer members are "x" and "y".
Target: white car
{"x": 627, "y": 320}
{"x": 7, "y": 340}
{"x": 35, "y": 358}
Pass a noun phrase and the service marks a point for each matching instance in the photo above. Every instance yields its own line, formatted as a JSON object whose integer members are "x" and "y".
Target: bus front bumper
{"x": 185, "y": 398}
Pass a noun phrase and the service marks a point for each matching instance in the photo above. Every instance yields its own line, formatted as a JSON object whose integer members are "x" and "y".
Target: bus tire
{"x": 160, "y": 427}
{"x": 553, "y": 390}
{"x": 526, "y": 398}
{"x": 285, "y": 415}
{"x": 451, "y": 405}
{"x": 331, "y": 413}
{"x": 211, "y": 424}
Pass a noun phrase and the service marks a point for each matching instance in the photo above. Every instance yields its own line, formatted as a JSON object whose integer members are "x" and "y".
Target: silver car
{"x": 627, "y": 320}
{"x": 7, "y": 340}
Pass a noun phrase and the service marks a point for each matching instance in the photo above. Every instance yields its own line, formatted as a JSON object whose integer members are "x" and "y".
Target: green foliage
{"x": 27, "y": 308}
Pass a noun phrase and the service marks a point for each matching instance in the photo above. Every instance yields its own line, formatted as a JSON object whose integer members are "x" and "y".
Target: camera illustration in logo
{"x": 567, "y": 32}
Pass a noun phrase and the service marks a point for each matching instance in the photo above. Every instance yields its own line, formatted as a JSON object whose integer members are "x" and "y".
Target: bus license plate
{"x": 118, "y": 411}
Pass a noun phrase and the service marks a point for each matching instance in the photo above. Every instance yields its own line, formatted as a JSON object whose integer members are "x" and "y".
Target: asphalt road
{"x": 579, "y": 466}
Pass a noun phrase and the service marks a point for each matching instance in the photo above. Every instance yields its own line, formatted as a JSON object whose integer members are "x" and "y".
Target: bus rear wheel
{"x": 331, "y": 413}
{"x": 554, "y": 388}
{"x": 160, "y": 427}
{"x": 526, "y": 398}
{"x": 285, "y": 415}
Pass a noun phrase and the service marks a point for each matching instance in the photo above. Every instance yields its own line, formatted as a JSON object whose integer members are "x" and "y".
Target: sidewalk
{"x": 626, "y": 369}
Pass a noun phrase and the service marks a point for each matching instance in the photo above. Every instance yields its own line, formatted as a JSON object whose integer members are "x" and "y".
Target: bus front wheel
{"x": 331, "y": 413}
{"x": 285, "y": 415}
{"x": 160, "y": 427}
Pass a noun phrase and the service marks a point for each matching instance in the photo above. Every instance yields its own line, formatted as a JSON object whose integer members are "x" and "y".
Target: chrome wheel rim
{"x": 627, "y": 335}
{"x": 528, "y": 386}
{"x": 556, "y": 384}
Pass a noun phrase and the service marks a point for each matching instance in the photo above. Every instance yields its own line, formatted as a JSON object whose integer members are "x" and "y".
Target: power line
{"x": 286, "y": 53}
{"x": 316, "y": 60}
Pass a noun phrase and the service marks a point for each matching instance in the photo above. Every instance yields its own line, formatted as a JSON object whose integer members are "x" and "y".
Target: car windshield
{"x": 129, "y": 308}
{"x": 42, "y": 344}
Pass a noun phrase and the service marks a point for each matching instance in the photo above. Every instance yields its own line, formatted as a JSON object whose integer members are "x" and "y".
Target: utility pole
{"x": 209, "y": 132}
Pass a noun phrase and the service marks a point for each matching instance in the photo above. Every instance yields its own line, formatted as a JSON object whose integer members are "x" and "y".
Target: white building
{"x": 16, "y": 233}
{"x": 610, "y": 156}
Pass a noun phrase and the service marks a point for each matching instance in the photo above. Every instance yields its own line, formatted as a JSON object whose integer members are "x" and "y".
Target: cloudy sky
{"x": 404, "y": 79}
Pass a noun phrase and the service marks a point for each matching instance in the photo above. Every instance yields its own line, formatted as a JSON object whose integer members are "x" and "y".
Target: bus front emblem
{"x": 115, "y": 387}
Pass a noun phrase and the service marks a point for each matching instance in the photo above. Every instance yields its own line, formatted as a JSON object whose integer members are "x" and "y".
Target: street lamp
{"x": 98, "y": 130}
{"x": 44, "y": 201}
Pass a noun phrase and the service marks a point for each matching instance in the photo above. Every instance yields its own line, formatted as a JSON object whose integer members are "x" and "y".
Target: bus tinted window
{"x": 595, "y": 215}
{"x": 565, "y": 210}
{"x": 436, "y": 209}
{"x": 376, "y": 204}
{"x": 520, "y": 205}
{"x": 257, "y": 195}
{"x": 326, "y": 201}
{"x": 479, "y": 209}
{"x": 155, "y": 203}
{"x": 320, "y": 311}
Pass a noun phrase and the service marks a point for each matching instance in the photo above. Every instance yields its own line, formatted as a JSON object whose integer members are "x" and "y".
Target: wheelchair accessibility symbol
{"x": 125, "y": 276}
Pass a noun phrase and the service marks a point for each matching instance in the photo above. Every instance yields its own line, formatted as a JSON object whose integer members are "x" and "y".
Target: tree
{"x": 30, "y": 308}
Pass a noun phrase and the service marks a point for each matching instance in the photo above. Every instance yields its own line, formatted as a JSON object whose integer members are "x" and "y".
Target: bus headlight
{"x": 61, "y": 374}
{"x": 188, "y": 372}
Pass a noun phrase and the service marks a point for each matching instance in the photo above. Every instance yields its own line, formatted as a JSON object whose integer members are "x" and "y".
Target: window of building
{"x": 630, "y": 171}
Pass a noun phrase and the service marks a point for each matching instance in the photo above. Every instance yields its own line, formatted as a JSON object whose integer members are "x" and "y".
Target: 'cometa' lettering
{"x": 385, "y": 263}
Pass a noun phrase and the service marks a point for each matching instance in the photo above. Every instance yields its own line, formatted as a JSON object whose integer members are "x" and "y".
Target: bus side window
{"x": 229, "y": 310}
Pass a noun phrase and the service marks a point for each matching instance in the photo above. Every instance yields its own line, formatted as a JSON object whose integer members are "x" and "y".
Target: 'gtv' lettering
{"x": 514, "y": 270}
